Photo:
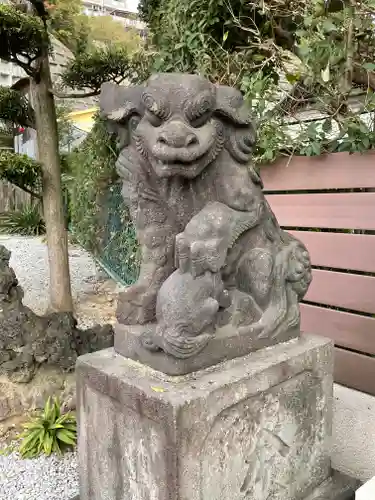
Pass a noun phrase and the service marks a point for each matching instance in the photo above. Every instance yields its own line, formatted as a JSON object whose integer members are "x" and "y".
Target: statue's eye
{"x": 200, "y": 111}
{"x": 154, "y": 119}
{"x": 156, "y": 112}
{"x": 201, "y": 120}
{"x": 134, "y": 122}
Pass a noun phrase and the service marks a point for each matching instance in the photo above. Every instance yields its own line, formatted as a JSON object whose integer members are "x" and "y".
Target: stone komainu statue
{"x": 213, "y": 255}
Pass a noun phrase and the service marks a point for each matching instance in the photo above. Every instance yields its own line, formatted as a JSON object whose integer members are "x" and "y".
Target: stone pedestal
{"x": 254, "y": 428}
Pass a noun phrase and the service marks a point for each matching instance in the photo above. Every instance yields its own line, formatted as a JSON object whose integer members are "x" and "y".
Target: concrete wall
{"x": 354, "y": 433}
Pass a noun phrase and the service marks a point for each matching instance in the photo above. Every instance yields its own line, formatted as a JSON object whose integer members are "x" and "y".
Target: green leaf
{"x": 369, "y": 66}
{"x": 48, "y": 408}
{"x": 71, "y": 427}
{"x": 225, "y": 36}
{"x": 66, "y": 417}
{"x": 55, "y": 410}
{"x": 366, "y": 143}
{"x": 33, "y": 426}
{"x": 56, "y": 426}
{"x": 328, "y": 26}
{"x": 316, "y": 149}
{"x": 66, "y": 437}
{"x": 47, "y": 445}
{"x": 292, "y": 78}
{"x": 56, "y": 447}
{"x": 327, "y": 126}
{"x": 29, "y": 444}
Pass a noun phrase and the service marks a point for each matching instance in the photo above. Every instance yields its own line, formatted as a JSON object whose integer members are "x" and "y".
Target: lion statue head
{"x": 179, "y": 123}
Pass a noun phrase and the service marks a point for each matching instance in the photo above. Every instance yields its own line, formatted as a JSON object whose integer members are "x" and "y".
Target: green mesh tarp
{"x": 119, "y": 251}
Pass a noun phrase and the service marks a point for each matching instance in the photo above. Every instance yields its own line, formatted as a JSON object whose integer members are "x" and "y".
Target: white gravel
{"x": 42, "y": 478}
{"x": 29, "y": 260}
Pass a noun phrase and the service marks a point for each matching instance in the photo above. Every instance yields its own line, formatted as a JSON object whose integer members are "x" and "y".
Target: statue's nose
{"x": 177, "y": 135}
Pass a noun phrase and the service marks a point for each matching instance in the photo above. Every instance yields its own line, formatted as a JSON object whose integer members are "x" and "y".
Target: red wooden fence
{"x": 340, "y": 303}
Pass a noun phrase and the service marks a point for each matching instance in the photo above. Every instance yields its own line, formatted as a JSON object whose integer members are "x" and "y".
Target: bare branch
{"x": 22, "y": 84}
{"x": 74, "y": 95}
{"x": 32, "y": 193}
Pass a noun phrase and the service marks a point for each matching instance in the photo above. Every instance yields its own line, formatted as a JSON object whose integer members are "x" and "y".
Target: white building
{"x": 123, "y": 11}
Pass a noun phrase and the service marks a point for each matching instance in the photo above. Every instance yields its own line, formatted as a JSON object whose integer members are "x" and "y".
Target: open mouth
{"x": 188, "y": 170}
{"x": 181, "y": 159}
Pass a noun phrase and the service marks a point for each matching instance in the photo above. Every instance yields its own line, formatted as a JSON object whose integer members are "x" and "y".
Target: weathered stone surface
{"x": 255, "y": 427}
{"x": 213, "y": 253}
{"x": 337, "y": 487}
{"x": 227, "y": 344}
{"x": 28, "y": 341}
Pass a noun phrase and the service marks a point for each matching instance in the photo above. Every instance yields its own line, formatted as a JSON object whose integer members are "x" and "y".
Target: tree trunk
{"x": 48, "y": 152}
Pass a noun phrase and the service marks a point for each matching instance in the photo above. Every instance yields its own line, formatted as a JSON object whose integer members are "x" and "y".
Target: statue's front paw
{"x": 136, "y": 305}
{"x": 199, "y": 256}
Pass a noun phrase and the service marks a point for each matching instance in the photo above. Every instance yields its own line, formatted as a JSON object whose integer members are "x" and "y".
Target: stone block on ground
{"x": 255, "y": 427}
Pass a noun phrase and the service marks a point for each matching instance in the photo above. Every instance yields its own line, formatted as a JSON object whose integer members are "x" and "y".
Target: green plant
{"x": 27, "y": 222}
{"x": 14, "y": 108}
{"x": 99, "y": 219}
{"x": 49, "y": 432}
{"x": 96, "y": 66}
{"x": 22, "y": 171}
{"x": 287, "y": 57}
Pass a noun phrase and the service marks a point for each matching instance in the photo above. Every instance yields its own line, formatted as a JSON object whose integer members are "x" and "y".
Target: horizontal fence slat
{"x": 340, "y": 250}
{"x": 348, "y": 291}
{"x": 345, "y": 329}
{"x": 355, "y": 370}
{"x": 325, "y": 210}
{"x": 331, "y": 171}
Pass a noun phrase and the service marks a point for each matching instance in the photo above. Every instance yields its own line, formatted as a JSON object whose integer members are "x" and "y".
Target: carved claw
{"x": 149, "y": 342}
{"x": 255, "y": 328}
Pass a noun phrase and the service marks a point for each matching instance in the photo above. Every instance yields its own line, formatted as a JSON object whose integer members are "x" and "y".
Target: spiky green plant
{"x": 27, "y": 222}
{"x": 49, "y": 432}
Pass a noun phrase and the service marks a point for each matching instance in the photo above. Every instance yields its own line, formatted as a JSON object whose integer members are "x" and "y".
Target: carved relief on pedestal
{"x": 270, "y": 445}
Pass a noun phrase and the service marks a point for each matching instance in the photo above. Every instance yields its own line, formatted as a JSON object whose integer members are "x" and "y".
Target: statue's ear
{"x": 231, "y": 106}
{"x": 232, "y": 109}
{"x": 118, "y": 104}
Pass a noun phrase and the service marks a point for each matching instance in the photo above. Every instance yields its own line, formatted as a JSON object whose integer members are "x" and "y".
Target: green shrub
{"x": 99, "y": 219}
{"x": 22, "y": 171}
{"x": 49, "y": 432}
{"x": 27, "y": 222}
{"x": 92, "y": 170}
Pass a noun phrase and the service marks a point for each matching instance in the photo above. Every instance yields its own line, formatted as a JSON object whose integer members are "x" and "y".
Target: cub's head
{"x": 179, "y": 123}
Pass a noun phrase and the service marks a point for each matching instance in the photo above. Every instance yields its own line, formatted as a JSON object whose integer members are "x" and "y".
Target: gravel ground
{"x": 30, "y": 262}
{"x": 43, "y": 478}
